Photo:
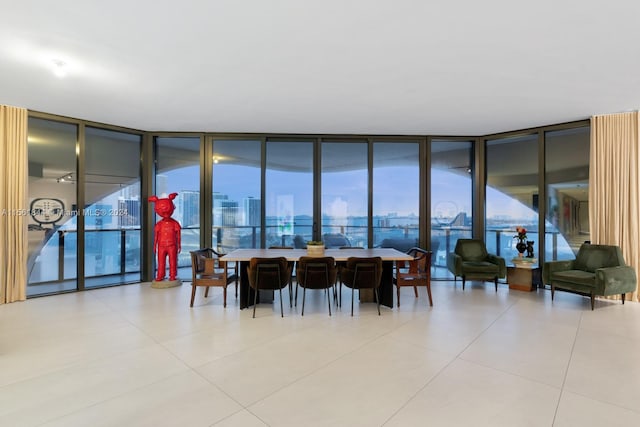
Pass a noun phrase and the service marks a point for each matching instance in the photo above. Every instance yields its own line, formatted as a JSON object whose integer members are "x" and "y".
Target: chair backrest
{"x": 591, "y": 257}
{"x": 197, "y": 259}
{"x": 471, "y": 249}
{"x": 316, "y": 272}
{"x": 335, "y": 240}
{"x": 361, "y": 272}
{"x": 268, "y": 273}
{"x": 421, "y": 260}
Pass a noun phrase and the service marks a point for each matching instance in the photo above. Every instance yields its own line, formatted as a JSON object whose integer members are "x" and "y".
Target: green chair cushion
{"x": 575, "y": 276}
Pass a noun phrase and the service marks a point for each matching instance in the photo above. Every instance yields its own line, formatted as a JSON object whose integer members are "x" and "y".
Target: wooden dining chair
{"x": 416, "y": 272}
{"x": 207, "y": 270}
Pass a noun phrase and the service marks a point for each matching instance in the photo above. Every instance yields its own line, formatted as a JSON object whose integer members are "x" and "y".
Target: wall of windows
{"x": 112, "y": 216}
{"x": 178, "y": 171}
{"x": 396, "y": 194}
{"x": 284, "y": 191}
{"x": 344, "y": 193}
{"x": 451, "y": 199}
{"x": 236, "y": 195}
{"x": 52, "y": 230}
{"x": 567, "y": 188}
{"x": 512, "y": 193}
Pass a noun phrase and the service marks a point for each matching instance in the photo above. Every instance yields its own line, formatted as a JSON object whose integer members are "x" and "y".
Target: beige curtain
{"x": 13, "y": 204}
{"x": 613, "y": 185}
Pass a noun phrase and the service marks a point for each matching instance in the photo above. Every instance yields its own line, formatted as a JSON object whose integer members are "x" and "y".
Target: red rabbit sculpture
{"x": 166, "y": 241}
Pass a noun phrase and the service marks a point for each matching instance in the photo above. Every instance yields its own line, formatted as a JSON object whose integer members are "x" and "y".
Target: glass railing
{"x": 116, "y": 252}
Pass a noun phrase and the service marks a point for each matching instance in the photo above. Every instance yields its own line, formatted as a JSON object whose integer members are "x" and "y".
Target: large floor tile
{"x": 466, "y": 394}
{"x": 362, "y": 388}
{"x": 605, "y": 367}
{"x": 182, "y": 399}
{"x": 576, "y": 410}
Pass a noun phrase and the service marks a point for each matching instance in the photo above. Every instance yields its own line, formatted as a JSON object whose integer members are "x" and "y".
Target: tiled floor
{"x": 137, "y": 356}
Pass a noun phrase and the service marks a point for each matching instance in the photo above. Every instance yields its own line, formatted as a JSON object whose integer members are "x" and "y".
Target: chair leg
{"x": 193, "y": 294}
{"x": 398, "y": 293}
{"x": 553, "y": 291}
{"x": 415, "y": 291}
{"x": 281, "y": 309}
{"x": 291, "y": 293}
{"x": 206, "y": 292}
{"x": 496, "y": 280}
{"x": 429, "y": 293}
{"x": 375, "y": 292}
{"x": 255, "y": 301}
{"x": 329, "y": 301}
{"x": 353, "y": 291}
{"x": 463, "y": 282}
{"x": 623, "y": 296}
{"x": 296, "y": 297}
{"x": 593, "y": 300}
{"x": 304, "y": 293}
{"x": 224, "y": 296}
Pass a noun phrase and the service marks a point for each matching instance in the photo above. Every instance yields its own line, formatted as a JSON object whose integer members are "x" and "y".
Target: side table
{"x": 523, "y": 276}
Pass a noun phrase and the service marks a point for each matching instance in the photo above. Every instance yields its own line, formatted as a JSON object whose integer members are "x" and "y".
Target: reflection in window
{"x": 567, "y": 180}
{"x": 511, "y": 193}
{"x": 396, "y": 194}
{"x": 344, "y": 194}
{"x": 178, "y": 171}
{"x": 289, "y": 193}
{"x": 236, "y": 194}
{"x": 112, "y": 215}
{"x": 52, "y": 231}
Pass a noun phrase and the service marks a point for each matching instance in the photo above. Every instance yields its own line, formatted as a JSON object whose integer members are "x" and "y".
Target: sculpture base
{"x": 162, "y": 284}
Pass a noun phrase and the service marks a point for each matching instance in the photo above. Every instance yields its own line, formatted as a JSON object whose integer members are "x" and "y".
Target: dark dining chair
{"x": 316, "y": 273}
{"x": 291, "y": 269}
{"x": 362, "y": 273}
{"x": 268, "y": 274}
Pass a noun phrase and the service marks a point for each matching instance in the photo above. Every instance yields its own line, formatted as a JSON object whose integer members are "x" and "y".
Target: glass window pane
{"x": 289, "y": 193}
{"x": 236, "y": 194}
{"x": 178, "y": 171}
{"x": 567, "y": 181}
{"x": 512, "y": 193}
{"x": 52, "y": 230}
{"x": 112, "y": 213}
{"x": 396, "y": 194}
{"x": 451, "y": 199}
{"x": 344, "y": 194}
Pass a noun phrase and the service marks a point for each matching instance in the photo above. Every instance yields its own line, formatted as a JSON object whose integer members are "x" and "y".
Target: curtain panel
{"x": 13, "y": 204}
{"x": 614, "y": 198}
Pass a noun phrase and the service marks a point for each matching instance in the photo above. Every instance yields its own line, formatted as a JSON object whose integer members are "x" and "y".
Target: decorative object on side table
{"x": 315, "y": 248}
{"x": 521, "y": 235}
{"x": 530, "y": 248}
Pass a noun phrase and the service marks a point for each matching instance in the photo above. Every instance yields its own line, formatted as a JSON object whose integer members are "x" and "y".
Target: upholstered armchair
{"x": 470, "y": 260}
{"x": 597, "y": 270}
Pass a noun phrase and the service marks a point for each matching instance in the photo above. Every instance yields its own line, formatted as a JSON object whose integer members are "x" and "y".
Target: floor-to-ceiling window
{"x": 236, "y": 203}
{"x": 567, "y": 185}
{"x": 396, "y": 194}
{"x": 112, "y": 214}
{"x": 451, "y": 198}
{"x": 289, "y": 193}
{"x": 344, "y": 193}
{"x": 511, "y": 193}
{"x": 178, "y": 171}
{"x": 52, "y": 230}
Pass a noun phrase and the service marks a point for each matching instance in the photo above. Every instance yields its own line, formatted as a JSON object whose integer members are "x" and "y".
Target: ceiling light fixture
{"x": 59, "y": 68}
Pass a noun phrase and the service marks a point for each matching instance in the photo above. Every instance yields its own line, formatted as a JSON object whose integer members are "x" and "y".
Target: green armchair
{"x": 470, "y": 260}
{"x": 597, "y": 270}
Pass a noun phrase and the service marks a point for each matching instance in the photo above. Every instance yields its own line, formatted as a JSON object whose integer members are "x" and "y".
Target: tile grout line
{"x": 566, "y": 373}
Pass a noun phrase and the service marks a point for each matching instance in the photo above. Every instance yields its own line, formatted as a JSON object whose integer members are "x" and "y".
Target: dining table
{"x": 388, "y": 255}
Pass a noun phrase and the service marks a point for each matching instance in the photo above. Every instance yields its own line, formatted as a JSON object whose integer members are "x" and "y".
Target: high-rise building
{"x": 188, "y": 208}
{"x": 251, "y": 211}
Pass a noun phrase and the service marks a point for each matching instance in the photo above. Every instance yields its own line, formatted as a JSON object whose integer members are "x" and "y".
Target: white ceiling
{"x": 457, "y": 67}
